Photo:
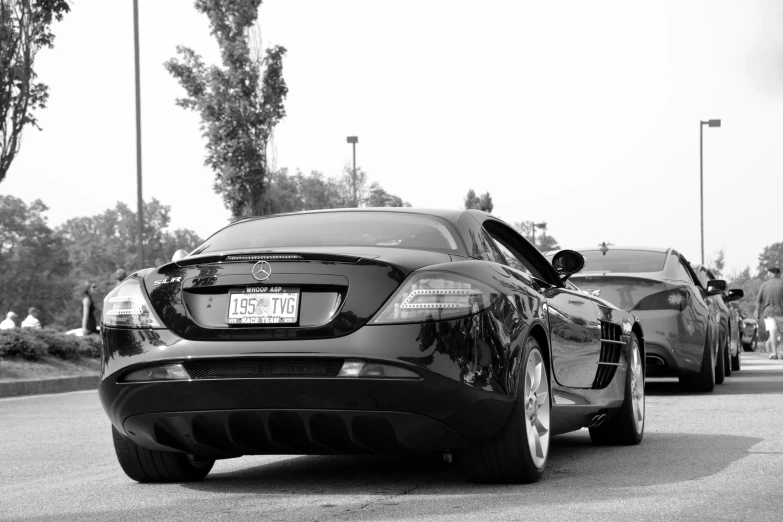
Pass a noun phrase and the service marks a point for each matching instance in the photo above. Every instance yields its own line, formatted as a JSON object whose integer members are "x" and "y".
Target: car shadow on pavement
{"x": 661, "y": 458}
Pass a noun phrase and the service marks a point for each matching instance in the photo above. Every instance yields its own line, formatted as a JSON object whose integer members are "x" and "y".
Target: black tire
{"x": 736, "y": 361}
{"x": 143, "y": 465}
{"x": 727, "y": 359}
{"x": 748, "y": 347}
{"x": 622, "y": 429}
{"x": 506, "y": 457}
{"x": 704, "y": 381}
{"x": 720, "y": 366}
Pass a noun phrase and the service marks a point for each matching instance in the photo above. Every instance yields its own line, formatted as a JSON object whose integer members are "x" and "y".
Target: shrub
{"x": 30, "y": 344}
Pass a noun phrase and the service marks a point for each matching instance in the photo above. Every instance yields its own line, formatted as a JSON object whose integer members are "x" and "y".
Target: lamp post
{"x": 138, "y": 132}
{"x": 353, "y": 140}
{"x": 541, "y": 225}
{"x": 711, "y": 123}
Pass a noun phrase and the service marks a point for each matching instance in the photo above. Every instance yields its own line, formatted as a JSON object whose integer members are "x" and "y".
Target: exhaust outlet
{"x": 596, "y": 421}
{"x": 654, "y": 360}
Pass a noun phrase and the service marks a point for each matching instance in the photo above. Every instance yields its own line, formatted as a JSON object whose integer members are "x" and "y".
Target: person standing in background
{"x": 9, "y": 321}
{"x": 119, "y": 276}
{"x": 89, "y": 325}
{"x": 32, "y": 321}
{"x": 769, "y": 305}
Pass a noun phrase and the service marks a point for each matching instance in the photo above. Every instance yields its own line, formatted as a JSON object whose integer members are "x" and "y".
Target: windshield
{"x": 623, "y": 261}
{"x": 376, "y": 229}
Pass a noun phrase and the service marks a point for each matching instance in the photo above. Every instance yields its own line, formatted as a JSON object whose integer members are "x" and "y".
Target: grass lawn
{"x": 46, "y": 368}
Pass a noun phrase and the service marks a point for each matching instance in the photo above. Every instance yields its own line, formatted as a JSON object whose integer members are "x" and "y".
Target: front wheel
{"x": 143, "y": 465}
{"x": 627, "y": 427}
{"x": 518, "y": 453}
{"x": 727, "y": 359}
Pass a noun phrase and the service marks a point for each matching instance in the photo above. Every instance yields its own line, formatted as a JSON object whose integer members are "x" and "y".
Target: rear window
{"x": 338, "y": 229}
{"x": 623, "y": 261}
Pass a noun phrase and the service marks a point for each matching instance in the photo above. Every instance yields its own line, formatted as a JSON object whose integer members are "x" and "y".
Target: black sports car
{"x": 365, "y": 331}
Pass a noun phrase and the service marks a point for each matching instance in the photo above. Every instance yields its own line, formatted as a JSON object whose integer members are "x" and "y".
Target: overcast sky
{"x": 581, "y": 114}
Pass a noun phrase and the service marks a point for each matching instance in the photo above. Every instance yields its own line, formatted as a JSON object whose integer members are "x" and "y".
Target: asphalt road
{"x": 715, "y": 456}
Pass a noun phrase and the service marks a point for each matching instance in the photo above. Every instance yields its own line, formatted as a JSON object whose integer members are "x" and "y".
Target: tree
{"x": 718, "y": 264}
{"x": 480, "y": 203}
{"x": 378, "y": 197}
{"x": 543, "y": 242}
{"x": 99, "y": 245}
{"x": 771, "y": 256}
{"x": 239, "y": 104}
{"x": 24, "y": 30}
{"x": 34, "y": 271}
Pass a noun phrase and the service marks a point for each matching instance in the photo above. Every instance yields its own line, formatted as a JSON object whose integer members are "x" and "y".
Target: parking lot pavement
{"x": 716, "y": 456}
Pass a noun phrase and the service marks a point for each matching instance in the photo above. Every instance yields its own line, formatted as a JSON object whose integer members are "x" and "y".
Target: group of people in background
{"x": 89, "y": 321}
{"x": 31, "y": 321}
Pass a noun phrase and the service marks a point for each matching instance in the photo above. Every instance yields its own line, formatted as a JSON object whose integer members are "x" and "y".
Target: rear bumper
{"x": 460, "y": 399}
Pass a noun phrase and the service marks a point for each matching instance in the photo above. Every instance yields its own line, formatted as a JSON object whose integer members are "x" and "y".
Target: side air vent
{"x": 262, "y": 368}
{"x": 612, "y": 347}
{"x": 265, "y": 257}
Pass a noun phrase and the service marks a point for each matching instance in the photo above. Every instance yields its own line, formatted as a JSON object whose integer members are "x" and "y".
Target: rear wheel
{"x": 727, "y": 359}
{"x": 145, "y": 465}
{"x": 720, "y": 366}
{"x": 705, "y": 380}
{"x": 518, "y": 453}
{"x": 736, "y": 361}
{"x": 627, "y": 426}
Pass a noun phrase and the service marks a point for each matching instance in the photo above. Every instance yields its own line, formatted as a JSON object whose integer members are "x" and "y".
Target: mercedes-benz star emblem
{"x": 261, "y": 271}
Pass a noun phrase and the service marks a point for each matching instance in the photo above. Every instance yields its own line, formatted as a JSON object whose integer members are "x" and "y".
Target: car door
{"x": 575, "y": 331}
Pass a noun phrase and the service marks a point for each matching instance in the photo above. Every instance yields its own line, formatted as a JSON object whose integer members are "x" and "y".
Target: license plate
{"x": 263, "y": 305}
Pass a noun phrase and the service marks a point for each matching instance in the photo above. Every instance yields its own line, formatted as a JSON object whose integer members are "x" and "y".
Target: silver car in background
{"x": 680, "y": 315}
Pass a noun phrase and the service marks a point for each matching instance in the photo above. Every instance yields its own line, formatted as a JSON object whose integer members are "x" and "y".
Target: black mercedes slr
{"x": 365, "y": 331}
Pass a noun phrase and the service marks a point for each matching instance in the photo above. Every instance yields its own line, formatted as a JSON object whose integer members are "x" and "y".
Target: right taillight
{"x": 436, "y": 296}
{"x": 668, "y": 300}
{"x": 126, "y": 306}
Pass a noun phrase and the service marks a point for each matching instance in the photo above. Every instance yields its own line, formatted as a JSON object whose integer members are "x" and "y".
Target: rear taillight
{"x": 668, "y": 300}
{"x": 436, "y": 296}
{"x": 126, "y": 306}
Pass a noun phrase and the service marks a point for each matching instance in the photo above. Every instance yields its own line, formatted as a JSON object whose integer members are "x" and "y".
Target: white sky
{"x": 581, "y": 114}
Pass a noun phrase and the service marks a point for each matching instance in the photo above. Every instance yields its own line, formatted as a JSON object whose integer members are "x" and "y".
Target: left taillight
{"x": 669, "y": 300}
{"x": 436, "y": 296}
{"x": 126, "y": 306}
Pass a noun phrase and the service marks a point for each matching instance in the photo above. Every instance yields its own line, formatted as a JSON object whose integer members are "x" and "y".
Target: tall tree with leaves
{"x": 24, "y": 30}
{"x": 771, "y": 256}
{"x": 239, "y": 103}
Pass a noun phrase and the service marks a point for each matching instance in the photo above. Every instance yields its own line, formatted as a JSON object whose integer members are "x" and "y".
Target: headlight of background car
{"x": 436, "y": 296}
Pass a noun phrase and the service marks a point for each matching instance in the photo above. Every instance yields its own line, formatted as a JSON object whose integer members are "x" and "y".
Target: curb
{"x": 55, "y": 385}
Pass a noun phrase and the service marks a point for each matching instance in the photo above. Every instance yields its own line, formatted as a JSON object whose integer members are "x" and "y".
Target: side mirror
{"x": 735, "y": 294}
{"x": 716, "y": 286}
{"x": 567, "y": 263}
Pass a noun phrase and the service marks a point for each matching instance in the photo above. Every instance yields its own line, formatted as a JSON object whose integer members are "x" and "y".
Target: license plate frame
{"x": 235, "y": 295}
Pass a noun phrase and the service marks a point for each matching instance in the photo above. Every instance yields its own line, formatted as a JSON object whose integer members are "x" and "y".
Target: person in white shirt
{"x": 31, "y": 321}
{"x": 9, "y": 321}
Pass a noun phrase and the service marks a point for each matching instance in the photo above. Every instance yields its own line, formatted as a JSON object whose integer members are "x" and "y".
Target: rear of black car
{"x": 331, "y": 332}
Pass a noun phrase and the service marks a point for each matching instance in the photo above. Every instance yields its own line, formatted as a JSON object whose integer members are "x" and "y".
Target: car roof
{"x": 448, "y": 214}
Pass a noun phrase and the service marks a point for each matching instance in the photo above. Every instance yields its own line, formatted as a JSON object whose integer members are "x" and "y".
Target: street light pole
{"x": 711, "y": 123}
{"x": 138, "y": 131}
{"x": 353, "y": 140}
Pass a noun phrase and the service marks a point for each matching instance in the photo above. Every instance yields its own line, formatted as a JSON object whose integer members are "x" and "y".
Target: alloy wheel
{"x": 537, "y": 407}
